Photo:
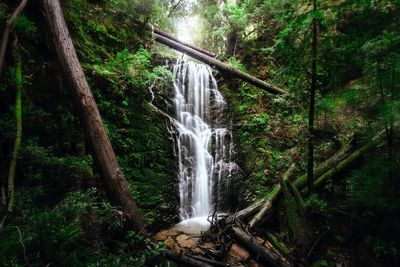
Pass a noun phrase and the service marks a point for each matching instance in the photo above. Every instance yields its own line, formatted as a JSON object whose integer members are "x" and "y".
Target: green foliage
{"x": 56, "y": 235}
{"x": 383, "y": 248}
{"x": 26, "y": 27}
{"x": 236, "y": 64}
{"x": 315, "y": 205}
{"x": 371, "y": 189}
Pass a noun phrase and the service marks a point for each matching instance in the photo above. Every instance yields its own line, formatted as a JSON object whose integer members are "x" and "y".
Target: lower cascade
{"x": 204, "y": 144}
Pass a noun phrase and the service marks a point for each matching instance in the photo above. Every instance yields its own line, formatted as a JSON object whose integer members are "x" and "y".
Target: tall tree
{"x": 114, "y": 181}
{"x": 310, "y": 165}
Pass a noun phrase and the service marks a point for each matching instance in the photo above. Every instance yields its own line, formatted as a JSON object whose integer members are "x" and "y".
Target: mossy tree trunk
{"x": 115, "y": 184}
{"x": 18, "y": 136}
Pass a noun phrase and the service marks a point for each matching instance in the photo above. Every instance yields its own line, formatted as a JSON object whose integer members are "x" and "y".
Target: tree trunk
{"x": 264, "y": 254}
{"x": 7, "y": 29}
{"x": 245, "y": 212}
{"x": 18, "y": 137}
{"x": 310, "y": 157}
{"x": 166, "y": 35}
{"x": 114, "y": 181}
{"x": 219, "y": 65}
{"x": 278, "y": 244}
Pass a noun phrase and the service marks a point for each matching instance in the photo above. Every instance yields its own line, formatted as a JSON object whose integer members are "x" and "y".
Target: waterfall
{"x": 203, "y": 140}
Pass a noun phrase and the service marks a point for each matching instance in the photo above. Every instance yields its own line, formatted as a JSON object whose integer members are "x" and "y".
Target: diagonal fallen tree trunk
{"x": 219, "y": 65}
{"x": 115, "y": 184}
{"x": 169, "y": 36}
{"x": 339, "y": 162}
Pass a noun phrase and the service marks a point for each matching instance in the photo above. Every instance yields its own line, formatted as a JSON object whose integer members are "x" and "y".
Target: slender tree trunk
{"x": 387, "y": 121}
{"x": 310, "y": 165}
{"x": 18, "y": 137}
{"x": 7, "y": 29}
{"x": 173, "y": 8}
{"x": 390, "y": 132}
{"x": 114, "y": 181}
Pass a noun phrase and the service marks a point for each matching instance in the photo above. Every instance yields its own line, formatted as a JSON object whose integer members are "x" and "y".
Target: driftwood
{"x": 219, "y": 65}
{"x": 115, "y": 184}
{"x": 7, "y": 29}
{"x": 263, "y": 254}
{"x": 185, "y": 260}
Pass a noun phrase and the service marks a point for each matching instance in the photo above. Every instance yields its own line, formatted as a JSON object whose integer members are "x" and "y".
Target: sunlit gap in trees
{"x": 188, "y": 29}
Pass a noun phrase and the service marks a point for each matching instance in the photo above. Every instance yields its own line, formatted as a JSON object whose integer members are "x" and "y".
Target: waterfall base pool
{"x": 193, "y": 225}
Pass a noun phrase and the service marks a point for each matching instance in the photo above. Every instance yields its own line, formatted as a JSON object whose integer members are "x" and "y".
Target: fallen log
{"x": 268, "y": 202}
{"x": 341, "y": 164}
{"x": 332, "y": 166}
{"x": 277, "y": 244}
{"x": 262, "y": 253}
{"x": 219, "y": 65}
{"x": 115, "y": 184}
{"x": 185, "y": 260}
{"x": 169, "y": 36}
{"x": 245, "y": 212}
{"x": 7, "y": 29}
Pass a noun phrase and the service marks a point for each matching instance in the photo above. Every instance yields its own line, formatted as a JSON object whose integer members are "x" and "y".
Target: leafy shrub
{"x": 315, "y": 205}
{"x": 383, "y": 248}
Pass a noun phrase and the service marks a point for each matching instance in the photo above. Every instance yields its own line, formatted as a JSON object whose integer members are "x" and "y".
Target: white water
{"x": 204, "y": 142}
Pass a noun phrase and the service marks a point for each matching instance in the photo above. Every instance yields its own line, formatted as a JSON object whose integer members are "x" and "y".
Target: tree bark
{"x": 245, "y": 212}
{"x": 115, "y": 184}
{"x": 264, "y": 254}
{"x": 7, "y": 29}
{"x": 219, "y": 65}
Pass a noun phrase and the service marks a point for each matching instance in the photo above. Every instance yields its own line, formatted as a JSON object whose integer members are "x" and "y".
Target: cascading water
{"x": 204, "y": 142}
